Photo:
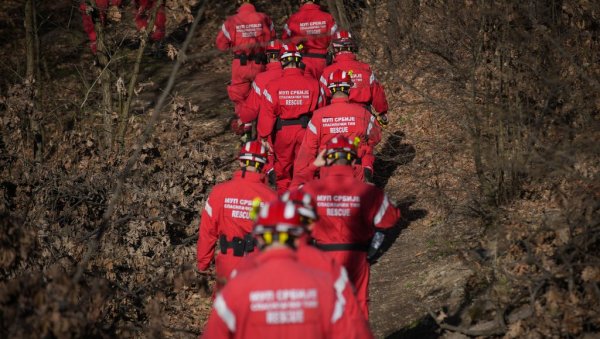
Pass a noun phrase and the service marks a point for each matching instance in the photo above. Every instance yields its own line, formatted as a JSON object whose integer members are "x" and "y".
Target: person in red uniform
{"x": 353, "y": 215}
{"x": 366, "y": 90}
{"x": 245, "y": 34}
{"x": 249, "y": 111}
{"x": 286, "y": 108}
{"x": 340, "y": 117}
{"x": 89, "y": 15}
{"x": 309, "y": 255}
{"x": 281, "y": 297}
{"x": 143, "y": 13}
{"x": 226, "y": 218}
{"x": 313, "y": 28}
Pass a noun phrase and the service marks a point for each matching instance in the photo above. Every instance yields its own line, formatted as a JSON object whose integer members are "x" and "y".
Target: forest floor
{"x": 420, "y": 271}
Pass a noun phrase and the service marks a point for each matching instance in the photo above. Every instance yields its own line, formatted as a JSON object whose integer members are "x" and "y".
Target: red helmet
{"x": 278, "y": 221}
{"x": 339, "y": 79}
{"x": 343, "y": 39}
{"x": 305, "y": 204}
{"x": 253, "y": 151}
{"x": 341, "y": 145}
{"x": 289, "y": 52}
{"x": 274, "y": 46}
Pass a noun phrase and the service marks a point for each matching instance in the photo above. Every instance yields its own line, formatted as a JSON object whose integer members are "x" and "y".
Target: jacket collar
{"x": 337, "y": 171}
{"x": 293, "y": 71}
{"x": 276, "y": 254}
{"x": 273, "y": 65}
{"x": 339, "y": 100}
{"x": 345, "y": 56}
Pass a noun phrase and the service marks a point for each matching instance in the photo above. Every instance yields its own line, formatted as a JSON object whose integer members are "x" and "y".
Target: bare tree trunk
{"x": 105, "y": 78}
{"x": 30, "y": 79}
{"x": 124, "y": 114}
{"x": 337, "y": 9}
{"x": 342, "y": 17}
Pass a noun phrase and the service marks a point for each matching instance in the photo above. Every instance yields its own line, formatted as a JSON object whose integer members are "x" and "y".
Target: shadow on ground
{"x": 393, "y": 154}
{"x": 424, "y": 328}
{"x": 407, "y": 217}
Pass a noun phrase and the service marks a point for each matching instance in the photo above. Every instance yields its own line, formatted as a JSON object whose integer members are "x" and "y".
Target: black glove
{"x": 376, "y": 242}
{"x": 272, "y": 178}
{"x": 368, "y": 175}
{"x": 382, "y": 119}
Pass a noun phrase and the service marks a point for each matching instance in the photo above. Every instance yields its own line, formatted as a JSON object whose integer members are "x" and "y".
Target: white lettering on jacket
{"x": 238, "y": 208}
{"x": 338, "y": 205}
{"x": 284, "y": 306}
{"x": 249, "y": 30}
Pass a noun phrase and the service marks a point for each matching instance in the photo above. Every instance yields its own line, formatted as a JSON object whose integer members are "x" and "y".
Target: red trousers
{"x": 358, "y": 271}
{"x": 224, "y": 265}
{"x": 144, "y": 11}
{"x": 314, "y": 66}
{"x": 241, "y": 80}
{"x": 286, "y": 145}
{"x": 88, "y": 21}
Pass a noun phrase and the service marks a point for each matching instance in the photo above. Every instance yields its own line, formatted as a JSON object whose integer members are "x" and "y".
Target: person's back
{"x": 366, "y": 89}
{"x": 286, "y": 108}
{"x": 313, "y": 28}
{"x": 249, "y": 111}
{"x": 350, "y": 212}
{"x": 248, "y": 31}
{"x": 341, "y": 117}
{"x": 245, "y": 34}
{"x": 280, "y": 297}
{"x": 226, "y": 215}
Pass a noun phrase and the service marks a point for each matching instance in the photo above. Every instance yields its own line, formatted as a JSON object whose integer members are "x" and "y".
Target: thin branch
{"x": 95, "y": 244}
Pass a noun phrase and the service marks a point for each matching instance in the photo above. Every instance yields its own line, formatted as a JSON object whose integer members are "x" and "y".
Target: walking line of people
{"x": 294, "y": 261}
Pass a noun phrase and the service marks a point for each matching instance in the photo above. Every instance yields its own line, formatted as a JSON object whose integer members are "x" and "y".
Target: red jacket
{"x": 340, "y": 117}
{"x": 366, "y": 90}
{"x": 314, "y": 258}
{"x": 226, "y": 212}
{"x": 281, "y": 298}
{"x": 249, "y": 111}
{"x": 246, "y": 32}
{"x": 288, "y": 97}
{"x": 349, "y": 210}
{"x": 311, "y": 26}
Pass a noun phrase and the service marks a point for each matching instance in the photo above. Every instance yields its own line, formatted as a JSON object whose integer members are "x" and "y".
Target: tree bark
{"x": 124, "y": 114}
{"x": 105, "y": 79}
{"x": 32, "y": 70}
{"x": 338, "y": 10}
{"x": 342, "y": 16}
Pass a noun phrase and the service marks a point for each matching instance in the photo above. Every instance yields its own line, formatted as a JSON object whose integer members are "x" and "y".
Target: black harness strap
{"x": 342, "y": 247}
{"x": 240, "y": 246}
{"x": 302, "y": 121}
{"x": 258, "y": 58}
